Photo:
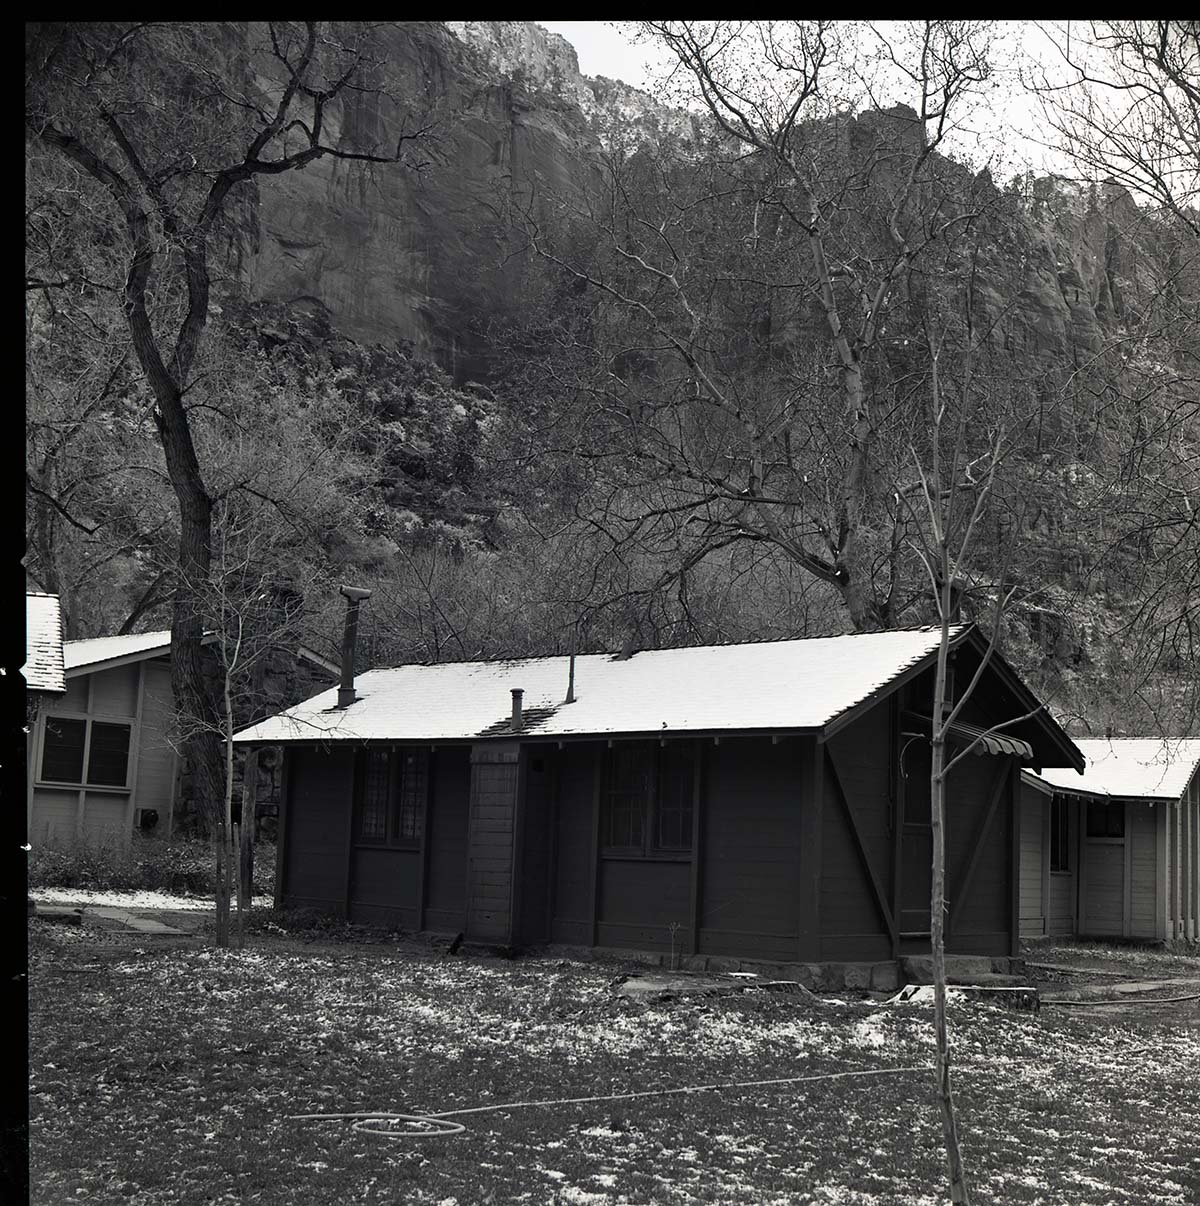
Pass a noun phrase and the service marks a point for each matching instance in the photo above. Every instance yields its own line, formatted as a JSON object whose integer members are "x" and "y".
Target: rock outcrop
{"x": 424, "y": 252}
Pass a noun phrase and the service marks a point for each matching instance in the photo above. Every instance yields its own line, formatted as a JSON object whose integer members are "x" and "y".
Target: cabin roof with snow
{"x": 103, "y": 653}
{"x": 43, "y": 669}
{"x": 1132, "y": 768}
{"x": 97, "y": 653}
{"x": 813, "y": 685}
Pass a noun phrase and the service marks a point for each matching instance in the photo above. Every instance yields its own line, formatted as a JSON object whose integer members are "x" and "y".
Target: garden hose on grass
{"x": 439, "y": 1126}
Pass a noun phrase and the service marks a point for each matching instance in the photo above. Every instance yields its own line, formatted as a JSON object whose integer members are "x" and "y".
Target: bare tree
{"x": 165, "y": 123}
{"x": 1122, "y": 102}
{"x": 816, "y": 217}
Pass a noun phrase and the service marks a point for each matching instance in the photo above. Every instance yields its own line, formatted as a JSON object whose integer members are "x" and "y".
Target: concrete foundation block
{"x": 798, "y": 973}
{"x": 723, "y": 963}
{"x": 885, "y": 977}
{"x": 856, "y": 975}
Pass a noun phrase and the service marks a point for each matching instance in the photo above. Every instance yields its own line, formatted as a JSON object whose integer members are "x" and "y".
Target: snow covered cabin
{"x": 763, "y": 801}
{"x": 1116, "y": 853}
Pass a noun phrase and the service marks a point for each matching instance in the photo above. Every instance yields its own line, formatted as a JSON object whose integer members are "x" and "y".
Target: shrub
{"x": 167, "y": 865}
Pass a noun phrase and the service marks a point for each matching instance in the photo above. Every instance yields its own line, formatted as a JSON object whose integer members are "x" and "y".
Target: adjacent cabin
{"x": 1116, "y": 853}
{"x": 764, "y": 801}
{"x": 102, "y": 763}
{"x": 99, "y": 756}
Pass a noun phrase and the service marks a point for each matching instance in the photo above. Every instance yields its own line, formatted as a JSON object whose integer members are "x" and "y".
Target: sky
{"x": 1007, "y": 130}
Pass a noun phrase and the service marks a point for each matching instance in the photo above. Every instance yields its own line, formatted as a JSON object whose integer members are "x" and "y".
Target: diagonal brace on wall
{"x": 880, "y": 897}
{"x": 961, "y": 883}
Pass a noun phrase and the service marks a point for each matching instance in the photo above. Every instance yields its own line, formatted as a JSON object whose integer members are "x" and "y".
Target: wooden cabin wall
{"x": 1143, "y": 870}
{"x": 157, "y": 760}
{"x": 857, "y": 839}
{"x": 446, "y": 867}
{"x": 1061, "y": 918}
{"x": 981, "y": 863}
{"x": 574, "y": 837}
{"x": 749, "y": 881}
{"x": 491, "y": 846}
{"x": 316, "y": 826}
{"x": 1035, "y": 855}
{"x": 137, "y": 694}
{"x": 536, "y": 841}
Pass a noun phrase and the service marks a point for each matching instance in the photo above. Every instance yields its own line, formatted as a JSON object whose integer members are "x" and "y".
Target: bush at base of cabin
{"x": 184, "y": 865}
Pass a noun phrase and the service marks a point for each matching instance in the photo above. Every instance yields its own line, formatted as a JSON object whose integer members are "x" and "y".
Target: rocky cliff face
{"x": 416, "y": 253}
{"x": 426, "y": 256}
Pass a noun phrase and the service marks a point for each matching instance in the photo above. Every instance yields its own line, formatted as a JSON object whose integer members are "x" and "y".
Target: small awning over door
{"x": 990, "y": 743}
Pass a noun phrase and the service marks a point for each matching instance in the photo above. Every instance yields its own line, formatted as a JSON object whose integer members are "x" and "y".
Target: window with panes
{"x": 392, "y": 789}
{"x": 70, "y": 742}
{"x": 1105, "y": 819}
{"x": 648, "y": 799}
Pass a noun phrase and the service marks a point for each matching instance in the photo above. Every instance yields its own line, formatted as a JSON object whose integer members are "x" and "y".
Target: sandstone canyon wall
{"x": 427, "y": 256}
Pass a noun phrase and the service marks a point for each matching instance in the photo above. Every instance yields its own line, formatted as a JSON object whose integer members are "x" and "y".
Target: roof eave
{"x": 530, "y": 735}
{"x": 111, "y": 663}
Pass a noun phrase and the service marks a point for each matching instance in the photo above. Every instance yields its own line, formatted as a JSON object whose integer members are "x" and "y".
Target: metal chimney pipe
{"x": 571, "y": 682}
{"x": 517, "y": 720}
{"x": 354, "y": 595}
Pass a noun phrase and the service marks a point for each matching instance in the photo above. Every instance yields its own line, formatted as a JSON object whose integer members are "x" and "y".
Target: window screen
{"x": 62, "y": 750}
{"x": 108, "y": 755}
{"x": 673, "y": 828}
{"x": 373, "y": 807}
{"x": 627, "y": 795}
{"x": 410, "y": 809}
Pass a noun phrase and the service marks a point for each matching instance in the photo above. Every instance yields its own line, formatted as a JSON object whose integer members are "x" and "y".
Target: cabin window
{"x": 410, "y": 795}
{"x": 392, "y": 790}
{"x": 648, "y": 797}
{"x": 373, "y": 802}
{"x": 1106, "y": 820}
{"x": 66, "y": 740}
{"x": 1060, "y": 859}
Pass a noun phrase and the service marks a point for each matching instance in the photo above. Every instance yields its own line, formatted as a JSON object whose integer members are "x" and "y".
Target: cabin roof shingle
{"x": 43, "y": 669}
{"x": 1142, "y": 768}
{"x": 775, "y": 685}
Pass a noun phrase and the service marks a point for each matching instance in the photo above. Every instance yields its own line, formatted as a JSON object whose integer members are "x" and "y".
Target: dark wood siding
{"x": 490, "y": 842}
{"x": 981, "y": 906}
{"x": 574, "y": 852}
{"x": 533, "y": 923}
{"x": 446, "y": 873}
{"x": 638, "y": 900}
{"x": 1034, "y": 854}
{"x": 852, "y": 923}
{"x": 750, "y": 889}
{"x": 320, "y": 789}
{"x": 384, "y": 887}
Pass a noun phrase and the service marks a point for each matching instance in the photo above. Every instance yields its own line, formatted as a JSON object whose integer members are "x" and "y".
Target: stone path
{"x": 143, "y": 925}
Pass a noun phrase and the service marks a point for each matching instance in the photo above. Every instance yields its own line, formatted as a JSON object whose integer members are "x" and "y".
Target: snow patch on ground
{"x": 134, "y": 899}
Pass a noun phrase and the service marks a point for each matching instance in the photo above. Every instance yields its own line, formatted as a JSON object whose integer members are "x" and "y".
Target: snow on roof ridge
{"x": 164, "y": 633}
{"x": 731, "y": 687}
{"x": 539, "y": 657}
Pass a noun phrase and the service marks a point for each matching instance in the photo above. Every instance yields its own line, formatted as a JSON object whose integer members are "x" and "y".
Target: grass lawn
{"x": 166, "y": 1074}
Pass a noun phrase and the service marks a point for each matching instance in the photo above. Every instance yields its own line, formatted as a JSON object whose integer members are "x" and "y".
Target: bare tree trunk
{"x": 225, "y": 851}
{"x": 246, "y": 843}
{"x": 937, "y": 928}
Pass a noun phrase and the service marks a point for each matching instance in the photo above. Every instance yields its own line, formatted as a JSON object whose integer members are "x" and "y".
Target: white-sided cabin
{"x": 100, "y": 760}
{"x": 1114, "y": 853}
